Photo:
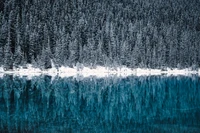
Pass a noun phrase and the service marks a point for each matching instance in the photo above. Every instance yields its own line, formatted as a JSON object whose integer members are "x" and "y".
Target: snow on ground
{"x": 99, "y": 72}
{"x": 176, "y": 72}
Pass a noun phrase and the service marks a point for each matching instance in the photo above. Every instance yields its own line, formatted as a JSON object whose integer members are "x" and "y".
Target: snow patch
{"x": 100, "y": 72}
{"x": 176, "y": 72}
{"x": 199, "y": 72}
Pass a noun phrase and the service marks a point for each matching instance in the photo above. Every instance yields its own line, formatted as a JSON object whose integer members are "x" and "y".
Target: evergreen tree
{"x": 18, "y": 57}
{"x": 45, "y": 58}
{"x": 8, "y": 56}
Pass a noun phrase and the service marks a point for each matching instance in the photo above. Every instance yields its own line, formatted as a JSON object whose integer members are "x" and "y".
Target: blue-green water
{"x": 111, "y": 105}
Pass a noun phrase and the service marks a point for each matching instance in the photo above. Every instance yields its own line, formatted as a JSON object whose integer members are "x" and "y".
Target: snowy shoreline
{"x": 99, "y": 72}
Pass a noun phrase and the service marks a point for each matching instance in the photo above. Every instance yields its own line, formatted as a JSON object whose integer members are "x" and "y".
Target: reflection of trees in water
{"x": 100, "y": 105}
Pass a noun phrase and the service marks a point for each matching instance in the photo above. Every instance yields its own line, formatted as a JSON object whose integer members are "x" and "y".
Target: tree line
{"x": 134, "y": 33}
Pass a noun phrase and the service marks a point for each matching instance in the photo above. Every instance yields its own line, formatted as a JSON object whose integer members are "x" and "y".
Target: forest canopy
{"x": 134, "y": 33}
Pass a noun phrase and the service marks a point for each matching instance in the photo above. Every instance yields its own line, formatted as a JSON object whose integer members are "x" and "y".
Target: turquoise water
{"x": 110, "y": 105}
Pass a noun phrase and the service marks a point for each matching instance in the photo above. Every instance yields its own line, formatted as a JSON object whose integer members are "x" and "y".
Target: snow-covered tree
{"x": 8, "y": 56}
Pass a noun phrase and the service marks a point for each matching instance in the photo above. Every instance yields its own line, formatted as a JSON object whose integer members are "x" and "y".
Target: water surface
{"x": 118, "y": 105}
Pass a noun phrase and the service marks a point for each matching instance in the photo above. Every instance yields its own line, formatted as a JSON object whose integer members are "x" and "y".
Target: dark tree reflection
{"x": 132, "y": 104}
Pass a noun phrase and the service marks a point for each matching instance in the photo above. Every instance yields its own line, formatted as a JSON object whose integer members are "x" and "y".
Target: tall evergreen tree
{"x": 8, "y": 56}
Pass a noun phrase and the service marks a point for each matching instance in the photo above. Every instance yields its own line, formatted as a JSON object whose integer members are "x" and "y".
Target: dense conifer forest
{"x": 134, "y": 33}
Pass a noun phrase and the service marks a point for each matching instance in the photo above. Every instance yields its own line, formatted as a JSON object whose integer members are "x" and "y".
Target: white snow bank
{"x": 99, "y": 72}
{"x": 177, "y": 72}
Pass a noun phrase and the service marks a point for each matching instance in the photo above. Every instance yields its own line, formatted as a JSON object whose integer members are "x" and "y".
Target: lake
{"x": 100, "y": 105}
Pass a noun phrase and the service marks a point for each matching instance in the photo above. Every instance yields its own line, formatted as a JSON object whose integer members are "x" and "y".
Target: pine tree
{"x": 59, "y": 53}
{"x": 2, "y": 56}
{"x": 8, "y": 59}
{"x": 45, "y": 58}
{"x": 18, "y": 57}
{"x": 3, "y": 35}
{"x": 100, "y": 56}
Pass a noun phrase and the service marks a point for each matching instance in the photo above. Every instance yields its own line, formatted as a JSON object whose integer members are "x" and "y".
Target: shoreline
{"x": 99, "y": 72}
